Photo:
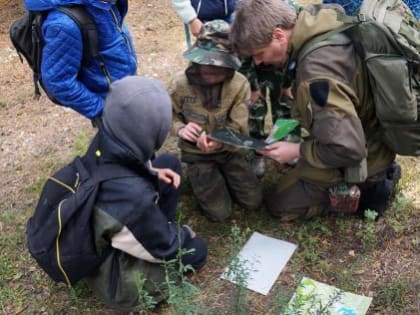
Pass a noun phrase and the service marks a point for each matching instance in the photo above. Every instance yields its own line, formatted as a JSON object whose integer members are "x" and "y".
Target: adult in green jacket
{"x": 333, "y": 103}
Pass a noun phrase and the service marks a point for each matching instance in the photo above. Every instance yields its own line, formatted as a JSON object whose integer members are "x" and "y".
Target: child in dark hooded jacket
{"x": 134, "y": 216}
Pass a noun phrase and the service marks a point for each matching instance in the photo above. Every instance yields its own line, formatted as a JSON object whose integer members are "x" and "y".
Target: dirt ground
{"x": 37, "y": 132}
{"x": 30, "y": 129}
{"x": 36, "y": 136}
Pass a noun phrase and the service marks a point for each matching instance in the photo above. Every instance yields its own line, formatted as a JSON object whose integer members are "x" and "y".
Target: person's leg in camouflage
{"x": 271, "y": 79}
{"x": 243, "y": 184}
{"x": 267, "y": 108}
{"x": 256, "y": 119}
{"x": 261, "y": 79}
{"x": 281, "y": 108}
{"x": 209, "y": 187}
{"x": 256, "y": 129}
{"x": 257, "y": 110}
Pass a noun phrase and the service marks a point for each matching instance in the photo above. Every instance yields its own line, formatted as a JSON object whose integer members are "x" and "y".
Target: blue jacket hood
{"x": 43, "y": 5}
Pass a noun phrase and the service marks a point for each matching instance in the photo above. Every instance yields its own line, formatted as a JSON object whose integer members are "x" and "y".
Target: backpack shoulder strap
{"x": 332, "y": 38}
{"x": 105, "y": 172}
{"x": 393, "y": 19}
{"x": 350, "y": 32}
{"x": 88, "y": 29}
{"x": 109, "y": 171}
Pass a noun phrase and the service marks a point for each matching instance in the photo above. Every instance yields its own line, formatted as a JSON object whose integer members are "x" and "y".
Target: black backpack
{"x": 26, "y": 36}
{"x": 59, "y": 234}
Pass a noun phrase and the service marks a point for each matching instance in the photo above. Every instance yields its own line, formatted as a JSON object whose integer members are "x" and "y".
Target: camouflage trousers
{"x": 270, "y": 107}
{"x": 220, "y": 179}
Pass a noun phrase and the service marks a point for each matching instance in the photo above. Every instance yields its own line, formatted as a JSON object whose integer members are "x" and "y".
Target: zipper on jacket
{"x": 198, "y": 7}
{"x": 119, "y": 26}
{"x": 105, "y": 71}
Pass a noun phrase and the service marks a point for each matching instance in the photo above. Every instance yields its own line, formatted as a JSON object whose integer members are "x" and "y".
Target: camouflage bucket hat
{"x": 212, "y": 47}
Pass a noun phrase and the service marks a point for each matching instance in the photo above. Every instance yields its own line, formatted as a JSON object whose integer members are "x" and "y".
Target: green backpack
{"x": 396, "y": 15}
{"x": 386, "y": 36}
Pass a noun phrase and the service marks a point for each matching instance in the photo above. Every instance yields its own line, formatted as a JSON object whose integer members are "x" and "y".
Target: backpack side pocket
{"x": 394, "y": 100}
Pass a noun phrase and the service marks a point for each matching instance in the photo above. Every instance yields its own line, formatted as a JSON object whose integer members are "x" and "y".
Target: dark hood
{"x": 137, "y": 116}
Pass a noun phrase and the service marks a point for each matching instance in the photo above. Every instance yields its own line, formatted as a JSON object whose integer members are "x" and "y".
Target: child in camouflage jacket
{"x": 209, "y": 95}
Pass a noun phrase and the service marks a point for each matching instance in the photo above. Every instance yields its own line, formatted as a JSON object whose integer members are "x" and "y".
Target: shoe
{"x": 394, "y": 175}
{"x": 259, "y": 166}
{"x": 380, "y": 196}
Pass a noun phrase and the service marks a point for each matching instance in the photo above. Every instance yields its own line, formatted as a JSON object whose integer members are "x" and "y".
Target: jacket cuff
{"x": 176, "y": 126}
{"x": 185, "y": 11}
{"x": 307, "y": 152}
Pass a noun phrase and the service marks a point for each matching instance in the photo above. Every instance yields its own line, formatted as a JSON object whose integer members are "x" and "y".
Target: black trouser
{"x": 169, "y": 195}
{"x": 168, "y": 202}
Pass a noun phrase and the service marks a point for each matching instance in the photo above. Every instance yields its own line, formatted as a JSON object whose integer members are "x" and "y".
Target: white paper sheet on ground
{"x": 259, "y": 263}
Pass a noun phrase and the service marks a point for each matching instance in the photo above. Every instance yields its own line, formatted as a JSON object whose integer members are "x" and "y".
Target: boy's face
{"x": 213, "y": 74}
{"x": 275, "y": 53}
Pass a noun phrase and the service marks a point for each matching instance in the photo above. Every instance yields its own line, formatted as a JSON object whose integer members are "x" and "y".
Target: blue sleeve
{"x": 61, "y": 62}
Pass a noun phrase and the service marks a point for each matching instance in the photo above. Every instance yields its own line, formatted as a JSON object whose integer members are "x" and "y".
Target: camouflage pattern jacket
{"x": 333, "y": 103}
{"x": 231, "y": 113}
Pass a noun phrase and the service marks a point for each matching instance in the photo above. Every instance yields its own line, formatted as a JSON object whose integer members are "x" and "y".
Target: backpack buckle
{"x": 361, "y": 17}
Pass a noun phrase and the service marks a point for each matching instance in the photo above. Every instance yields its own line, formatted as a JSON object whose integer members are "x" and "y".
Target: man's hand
{"x": 206, "y": 144}
{"x": 190, "y": 132}
{"x": 281, "y": 151}
{"x": 195, "y": 26}
{"x": 168, "y": 176}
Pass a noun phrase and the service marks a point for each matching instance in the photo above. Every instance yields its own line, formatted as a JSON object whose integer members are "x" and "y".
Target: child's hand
{"x": 202, "y": 142}
{"x": 168, "y": 176}
{"x": 190, "y": 132}
{"x": 206, "y": 144}
{"x": 213, "y": 145}
{"x": 195, "y": 26}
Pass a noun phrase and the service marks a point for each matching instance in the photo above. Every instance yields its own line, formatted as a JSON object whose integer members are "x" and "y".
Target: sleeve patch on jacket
{"x": 319, "y": 92}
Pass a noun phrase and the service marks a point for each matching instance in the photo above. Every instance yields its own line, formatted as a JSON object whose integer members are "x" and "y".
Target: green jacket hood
{"x": 312, "y": 21}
